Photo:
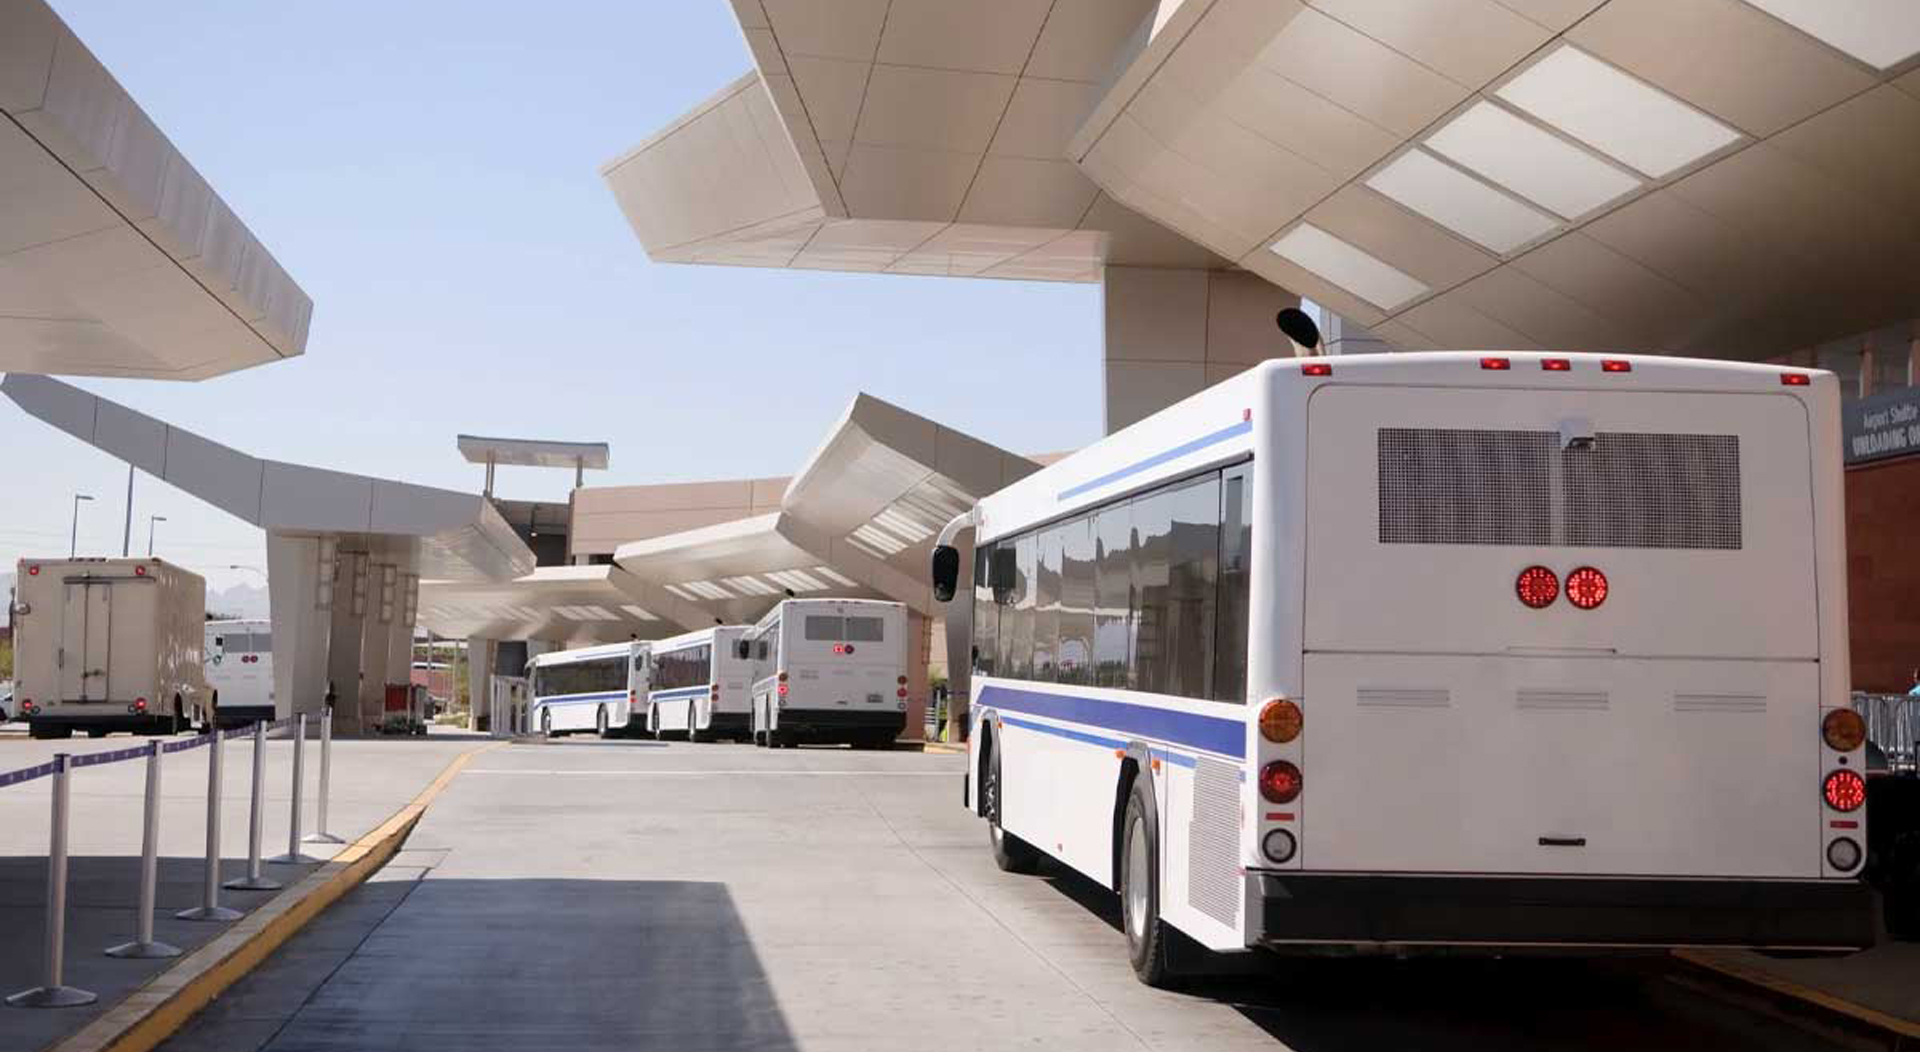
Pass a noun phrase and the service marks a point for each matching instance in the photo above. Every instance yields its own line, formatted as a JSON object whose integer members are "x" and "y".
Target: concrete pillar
{"x": 479, "y": 679}
{"x": 919, "y": 651}
{"x": 347, "y": 636}
{"x": 1171, "y": 333}
{"x": 300, "y": 628}
{"x": 376, "y": 642}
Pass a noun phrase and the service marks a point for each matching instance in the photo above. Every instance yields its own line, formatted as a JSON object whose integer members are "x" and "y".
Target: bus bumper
{"x": 840, "y": 724}
{"x": 1522, "y": 912}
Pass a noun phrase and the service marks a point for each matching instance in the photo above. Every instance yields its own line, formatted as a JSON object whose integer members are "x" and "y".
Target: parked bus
{"x": 1570, "y": 630}
{"x": 588, "y": 689}
{"x": 829, "y": 671}
{"x": 240, "y": 669}
{"x": 699, "y": 686}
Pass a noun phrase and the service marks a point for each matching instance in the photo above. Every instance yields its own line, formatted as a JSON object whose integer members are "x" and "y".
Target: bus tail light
{"x": 1586, "y": 588}
{"x": 1843, "y": 730}
{"x": 714, "y": 692}
{"x": 1844, "y": 790}
{"x": 902, "y": 680}
{"x": 139, "y": 705}
{"x": 901, "y": 693}
{"x": 1280, "y": 782}
{"x": 1280, "y": 721}
{"x": 783, "y": 688}
{"x": 1537, "y": 587}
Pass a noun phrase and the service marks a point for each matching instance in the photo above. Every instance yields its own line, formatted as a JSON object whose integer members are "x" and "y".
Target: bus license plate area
{"x": 873, "y": 699}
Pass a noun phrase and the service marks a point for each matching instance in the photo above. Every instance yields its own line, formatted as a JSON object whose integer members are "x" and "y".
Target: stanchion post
{"x": 321, "y": 835}
{"x": 254, "y": 881}
{"x": 210, "y": 908}
{"x": 143, "y": 946}
{"x": 293, "y": 855}
{"x": 54, "y": 993}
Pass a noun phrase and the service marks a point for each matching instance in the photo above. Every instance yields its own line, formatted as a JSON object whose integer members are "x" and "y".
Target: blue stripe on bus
{"x": 681, "y": 692}
{"x": 1157, "y": 459}
{"x": 1177, "y": 759}
{"x": 569, "y": 699}
{"x": 1210, "y": 733}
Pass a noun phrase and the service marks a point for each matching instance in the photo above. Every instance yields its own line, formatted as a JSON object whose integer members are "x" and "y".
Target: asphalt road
{"x": 631, "y": 895}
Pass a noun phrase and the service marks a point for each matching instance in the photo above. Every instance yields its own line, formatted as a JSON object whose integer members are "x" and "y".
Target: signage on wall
{"x": 1883, "y": 426}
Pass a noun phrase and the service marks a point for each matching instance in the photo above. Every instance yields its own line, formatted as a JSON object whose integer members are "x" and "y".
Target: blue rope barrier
{"x": 26, "y": 774}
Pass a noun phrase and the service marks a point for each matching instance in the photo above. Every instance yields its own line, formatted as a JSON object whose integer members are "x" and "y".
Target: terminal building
{"x": 1585, "y": 175}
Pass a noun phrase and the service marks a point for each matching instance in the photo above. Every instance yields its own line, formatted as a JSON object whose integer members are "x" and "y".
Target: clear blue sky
{"x": 428, "y": 173}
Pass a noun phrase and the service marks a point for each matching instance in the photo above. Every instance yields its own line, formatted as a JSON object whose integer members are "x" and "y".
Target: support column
{"x": 919, "y": 652}
{"x": 347, "y": 639}
{"x": 376, "y": 642}
{"x": 479, "y": 679}
{"x": 301, "y": 629}
{"x": 1171, "y": 333}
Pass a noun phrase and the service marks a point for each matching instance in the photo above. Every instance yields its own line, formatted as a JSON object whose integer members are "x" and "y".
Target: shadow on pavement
{"x": 523, "y": 965}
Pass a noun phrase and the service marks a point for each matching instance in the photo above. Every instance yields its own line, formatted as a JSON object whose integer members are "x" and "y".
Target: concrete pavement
{"x": 602, "y": 895}
{"x": 371, "y": 779}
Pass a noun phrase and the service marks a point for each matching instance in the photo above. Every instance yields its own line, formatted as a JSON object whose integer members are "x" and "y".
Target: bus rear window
{"x": 864, "y": 630}
{"x": 822, "y": 628}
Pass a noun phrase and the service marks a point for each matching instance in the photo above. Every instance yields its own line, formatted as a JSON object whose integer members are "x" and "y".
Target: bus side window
{"x": 986, "y": 613}
{"x": 1016, "y": 620}
{"x": 1113, "y": 596}
{"x": 1236, "y": 554}
{"x": 1074, "y": 657}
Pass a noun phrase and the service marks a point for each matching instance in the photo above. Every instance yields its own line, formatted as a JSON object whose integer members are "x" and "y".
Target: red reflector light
{"x": 33, "y": 571}
{"x": 1556, "y": 365}
{"x": 901, "y": 693}
{"x": 1315, "y": 369}
{"x": 139, "y": 571}
{"x": 1586, "y": 588}
{"x": 1795, "y": 379}
{"x": 1616, "y": 365}
{"x": 1843, "y": 823}
{"x": 1496, "y": 364}
{"x": 1280, "y": 782}
{"x": 1537, "y": 587}
{"x": 139, "y": 704}
{"x": 1844, "y": 791}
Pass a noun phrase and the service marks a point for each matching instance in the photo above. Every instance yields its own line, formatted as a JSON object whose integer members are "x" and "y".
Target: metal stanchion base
{"x": 52, "y": 997}
{"x": 253, "y": 884}
{"x": 209, "y": 913}
{"x": 143, "y": 951}
{"x": 292, "y": 859}
{"x": 321, "y": 838}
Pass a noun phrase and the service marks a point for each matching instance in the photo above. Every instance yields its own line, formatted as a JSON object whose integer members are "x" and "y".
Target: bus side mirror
{"x": 946, "y": 572}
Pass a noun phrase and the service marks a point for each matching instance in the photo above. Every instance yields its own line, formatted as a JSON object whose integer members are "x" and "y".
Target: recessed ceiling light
{"x": 1532, "y": 162}
{"x": 1621, "y": 116}
{"x": 1881, "y": 33}
{"x": 1459, "y": 202}
{"x": 1350, "y": 268}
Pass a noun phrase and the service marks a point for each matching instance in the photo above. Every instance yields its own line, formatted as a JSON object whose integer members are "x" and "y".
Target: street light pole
{"x": 126, "y": 537}
{"x": 151, "y": 519}
{"x": 73, "y": 540}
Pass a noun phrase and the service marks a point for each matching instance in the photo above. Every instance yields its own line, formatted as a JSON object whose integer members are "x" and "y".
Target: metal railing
{"x": 53, "y": 991}
{"x": 1893, "y": 723}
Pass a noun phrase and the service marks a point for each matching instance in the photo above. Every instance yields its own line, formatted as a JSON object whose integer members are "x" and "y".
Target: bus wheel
{"x": 1010, "y": 853}
{"x": 600, "y": 722}
{"x": 1149, "y": 939}
{"x": 546, "y": 723}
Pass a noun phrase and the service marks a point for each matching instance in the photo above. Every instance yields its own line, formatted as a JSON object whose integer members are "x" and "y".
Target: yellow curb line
{"x": 1788, "y": 988}
{"x": 152, "y": 1013}
{"x": 943, "y": 747}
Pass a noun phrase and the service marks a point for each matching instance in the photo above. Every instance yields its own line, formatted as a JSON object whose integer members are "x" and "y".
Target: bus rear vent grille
{"x": 1213, "y": 833}
{"x": 1625, "y": 490}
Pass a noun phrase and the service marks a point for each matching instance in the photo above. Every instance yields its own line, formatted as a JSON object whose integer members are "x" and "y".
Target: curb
{"x": 1898, "y": 1034}
{"x": 155, "y": 1011}
{"x": 943, "y": 747}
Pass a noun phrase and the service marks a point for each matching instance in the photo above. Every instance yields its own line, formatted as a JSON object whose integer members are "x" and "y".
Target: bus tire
{"x": 1010, "y": 853}
{"x": 600, "y": 723}
{"x": 546, "y": 723}
{"x": 1149, "y": 939}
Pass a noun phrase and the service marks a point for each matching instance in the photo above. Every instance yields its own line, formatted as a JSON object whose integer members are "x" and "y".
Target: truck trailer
{"x": 103, "y": 645}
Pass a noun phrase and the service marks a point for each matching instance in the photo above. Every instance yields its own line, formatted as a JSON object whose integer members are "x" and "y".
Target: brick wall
{"x": 1883, "y": 573}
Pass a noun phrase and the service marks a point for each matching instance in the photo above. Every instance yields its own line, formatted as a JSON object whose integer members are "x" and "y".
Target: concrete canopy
{"x": 577, "y": 605}
{"x": 116, "y": 257}
{"x": 1630, "y": 174}
{"x": 910, "y": 137}
{"x": 533, "y": 453}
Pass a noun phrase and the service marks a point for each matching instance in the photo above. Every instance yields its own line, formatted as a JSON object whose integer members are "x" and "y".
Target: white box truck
{"x": 104, "y": 645}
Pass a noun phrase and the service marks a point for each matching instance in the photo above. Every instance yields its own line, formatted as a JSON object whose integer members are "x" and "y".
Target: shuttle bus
{"x": 588, "y": 689}
{"x": 239, "y": 657}
{"x": 699, "y": 686}
{"x": 829, "y": 671}
{"x": 1471, "y": 651}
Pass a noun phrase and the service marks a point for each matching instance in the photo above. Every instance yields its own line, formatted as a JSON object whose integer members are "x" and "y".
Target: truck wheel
{"x": 1010, "y": 853}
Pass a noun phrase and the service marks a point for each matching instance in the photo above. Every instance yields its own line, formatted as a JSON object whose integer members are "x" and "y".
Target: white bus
{"x": 829, "y": 671}
{"x": 699, "y": 687}
{"x": 1559, "y": 640}
{"x": 239, "y": 655}
{"x": 589, "y": 689}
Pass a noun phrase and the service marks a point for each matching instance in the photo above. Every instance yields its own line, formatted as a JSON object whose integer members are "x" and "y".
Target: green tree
{"x": 6, "y": 659}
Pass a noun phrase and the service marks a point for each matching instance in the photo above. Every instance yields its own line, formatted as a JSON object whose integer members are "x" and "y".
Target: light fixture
{"x": 1532, "y": 162}
{"x": 1881, "y": 33}
{"x": 1459, "y": 202}
{"x": 1345, "y": 266}
{"x": 1619, "y": 115}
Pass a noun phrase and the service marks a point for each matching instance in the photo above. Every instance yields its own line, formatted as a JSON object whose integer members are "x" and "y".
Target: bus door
{"x": 86, "y": 640}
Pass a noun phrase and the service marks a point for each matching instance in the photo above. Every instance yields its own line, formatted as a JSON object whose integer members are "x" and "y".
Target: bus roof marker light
{"x": 1316, "y": 369}
{"x": 1795, "y": 379}
{"x": 1496, "y": 364}
{"x": 1615, "y": 365}
{"x": 1556, "y": 365}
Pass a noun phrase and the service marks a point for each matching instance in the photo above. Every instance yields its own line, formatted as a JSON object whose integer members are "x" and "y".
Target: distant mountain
{"x": 241, "y": 600}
